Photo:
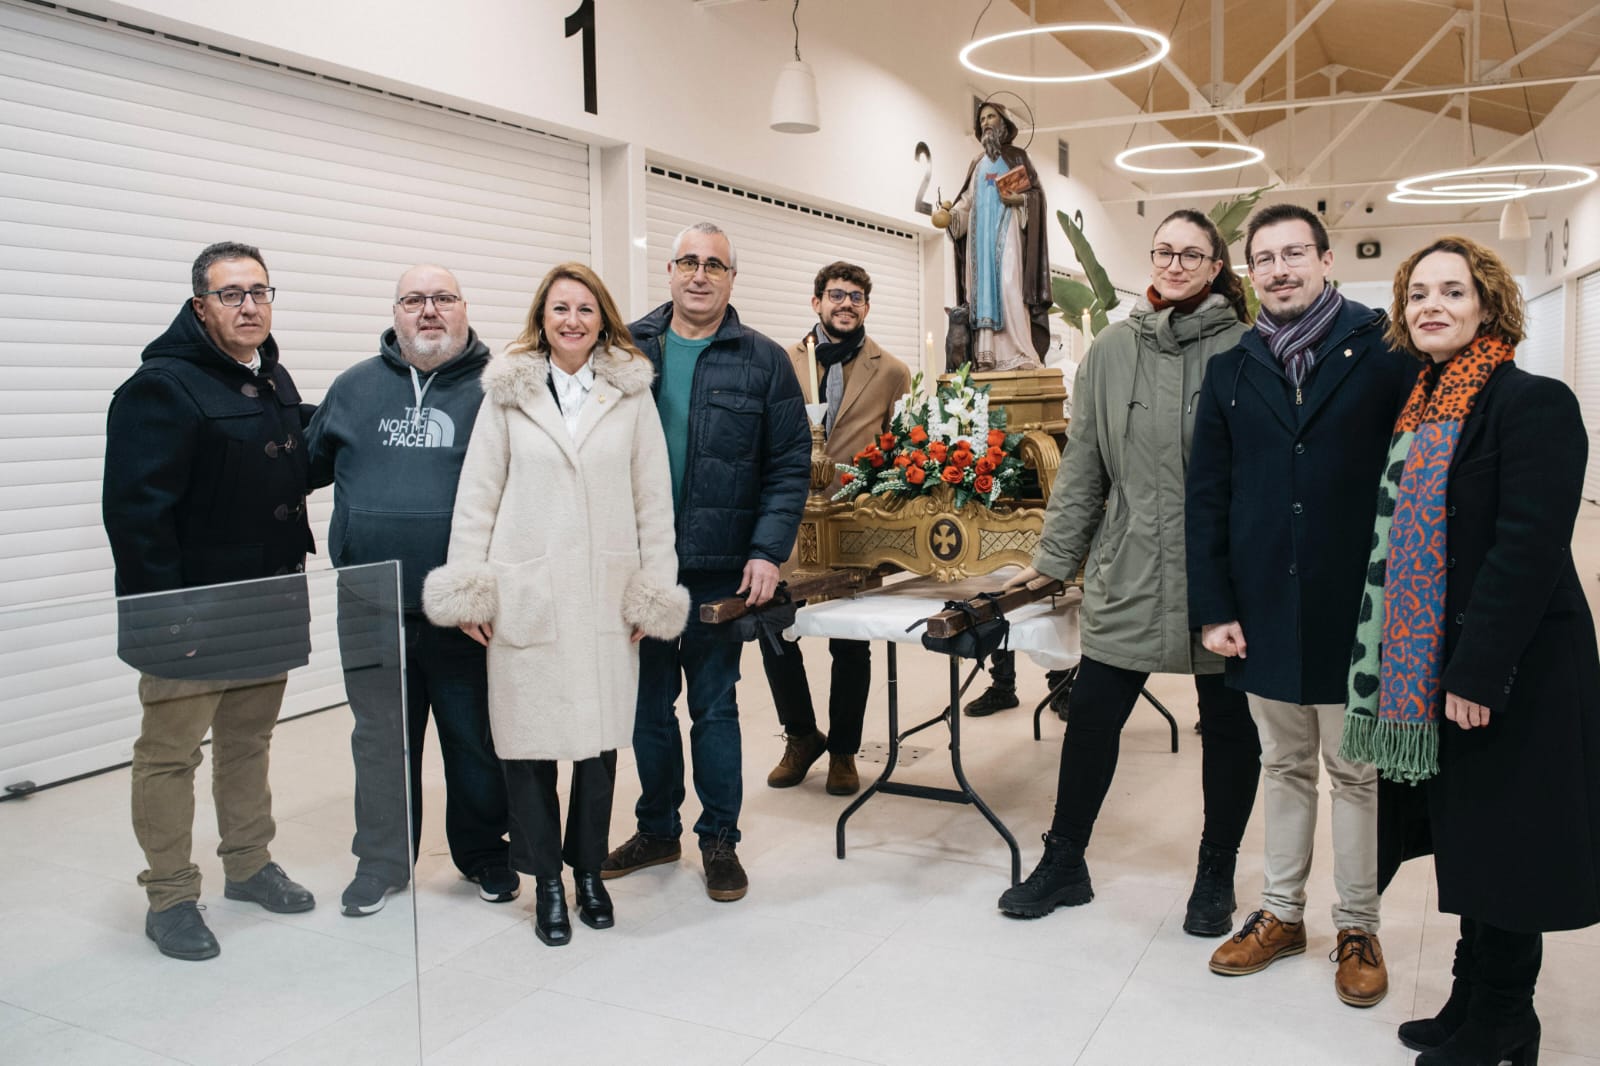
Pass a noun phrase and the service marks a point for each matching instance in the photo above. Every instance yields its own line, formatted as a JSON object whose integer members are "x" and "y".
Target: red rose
{"x": 963, "y": 446}
{"x": 983, "y": 483}
{"x": 952, "y": 475}
{"x": 918, "y": 435}
{"x": 938, "y": 449}
{"x": 914, "y": 475}
{"x": 846, "y": 479}
{"x": 997, "y": 438}
{"x": 901, "y": 461}
{"x": 875, "y": 457}
{"x": 985, "y": 465}
{"x": 962, "y": 458}
{"x": 995, "y": 455}
{"x": 919, "y": 457}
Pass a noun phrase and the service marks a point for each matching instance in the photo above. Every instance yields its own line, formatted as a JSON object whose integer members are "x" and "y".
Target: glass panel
{"x": 231, "y": 703}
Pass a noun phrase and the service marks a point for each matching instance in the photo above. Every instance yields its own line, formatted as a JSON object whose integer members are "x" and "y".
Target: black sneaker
{"x": 725, "y": 878}
{"x": 271, "y": 887}
{"x": 180, "y": 933}
{"x": 994, "y": 698}
{"x": 496, "y": 883}
{"x": 641, "y": 850}
{"x": 366, "y": 894}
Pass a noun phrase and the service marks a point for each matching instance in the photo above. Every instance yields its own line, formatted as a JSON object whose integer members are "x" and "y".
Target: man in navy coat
{"x": 1290, "y": 438}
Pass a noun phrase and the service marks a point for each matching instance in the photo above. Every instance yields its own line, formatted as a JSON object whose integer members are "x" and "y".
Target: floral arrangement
{"x": 950, "y": 438}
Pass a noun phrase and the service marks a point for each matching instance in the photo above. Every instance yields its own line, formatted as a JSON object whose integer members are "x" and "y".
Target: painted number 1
{"x": 582, "y": 21}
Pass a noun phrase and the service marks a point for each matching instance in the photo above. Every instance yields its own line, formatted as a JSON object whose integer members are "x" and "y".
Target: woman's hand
{"x": 482, "y": 632}
{"x": 1026, "y": 576}
{"x": 1465, "y": 713}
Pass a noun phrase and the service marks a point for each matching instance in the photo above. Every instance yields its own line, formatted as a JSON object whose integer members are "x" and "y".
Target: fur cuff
{"x": 660, "y": 612}
{"x": 458, "y": 594}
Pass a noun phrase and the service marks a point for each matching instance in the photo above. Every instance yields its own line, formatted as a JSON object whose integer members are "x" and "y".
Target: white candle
{"x": 811, "y": 360}
{"x": 1088, "y": 334}
{"x": 930, "y": 364}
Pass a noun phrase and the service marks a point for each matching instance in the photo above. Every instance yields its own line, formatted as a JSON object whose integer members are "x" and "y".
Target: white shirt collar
{"x": 584, "y": 377}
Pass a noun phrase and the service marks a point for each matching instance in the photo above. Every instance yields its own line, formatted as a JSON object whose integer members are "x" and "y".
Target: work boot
{"x": 1060, "y": 880}
{"x": 1212, "y": 903}
{"x": 180, "y": 933}
{"x": 1058, "y": 702}
{"x": 1425, "y": 1034}
{"x": 725, "y": 878}
{"x": 996, "y": 697}
{"x": 1260, "y": 942}
{"x": 842, "y": 777}
{"x": 798, "y": 755}
{"x": 1362, "y": 979}
{"x": 639, "y": 851}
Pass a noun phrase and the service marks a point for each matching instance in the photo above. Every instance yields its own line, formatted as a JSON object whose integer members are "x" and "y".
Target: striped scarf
{"x": 1396, "y": 689}
{"x": 1294, "y": 343}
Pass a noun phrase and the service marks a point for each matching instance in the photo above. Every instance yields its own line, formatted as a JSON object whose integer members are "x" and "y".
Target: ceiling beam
{"x": 1451, "y": 24}
{"x": 1394, "y": 164}
{"x": 1194, "y": 93}
{"x": 1538, "y": 46}
{"x": 1423, "y": 93}
{"x": 1281, "y": 47}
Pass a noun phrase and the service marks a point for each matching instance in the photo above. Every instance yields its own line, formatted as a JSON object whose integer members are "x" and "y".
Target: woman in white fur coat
{"x": 561, "y": 559}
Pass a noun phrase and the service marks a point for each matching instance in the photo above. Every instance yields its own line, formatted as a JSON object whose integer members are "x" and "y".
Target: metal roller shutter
{"x": 1587, "y": 375}
{"x": 781, "y": 246}
{"x": 1542, "y": 350}
{"x": 122, "y": 154}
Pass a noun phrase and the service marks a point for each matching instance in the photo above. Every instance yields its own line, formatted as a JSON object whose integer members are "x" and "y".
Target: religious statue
{"x": 997, "y": 227}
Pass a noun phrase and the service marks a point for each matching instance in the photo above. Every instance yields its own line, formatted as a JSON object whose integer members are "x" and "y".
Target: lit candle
{"x": 930, "y": 363}
{"x": 811, "y": 360}
{"x": 1088, "y": 334}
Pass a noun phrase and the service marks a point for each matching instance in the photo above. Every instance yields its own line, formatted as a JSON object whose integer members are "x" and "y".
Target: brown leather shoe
{"x": 1362, "y": 978}
{"x": 842, "y": 777}
{"x": 798, "y": 755}
{"x": 1258, "y": 944}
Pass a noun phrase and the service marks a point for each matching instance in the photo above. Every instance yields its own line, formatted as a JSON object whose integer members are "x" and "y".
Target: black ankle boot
{"x": 1500, "y": 1022}
{"x": 1212, "y": 903}
{"x": 1425, "y": 1034}
{"x": 1490, "y": 1041}
{"x": 594, "y": 902}
{"x": 1060, "y": 880}
{"x": 550, "y": 920}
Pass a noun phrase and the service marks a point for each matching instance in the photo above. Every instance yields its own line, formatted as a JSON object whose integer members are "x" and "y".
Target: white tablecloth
{"x": 1047, "y": 633}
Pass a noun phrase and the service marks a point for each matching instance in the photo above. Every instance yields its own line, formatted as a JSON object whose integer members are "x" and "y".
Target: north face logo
{"x": 432, "y": 428}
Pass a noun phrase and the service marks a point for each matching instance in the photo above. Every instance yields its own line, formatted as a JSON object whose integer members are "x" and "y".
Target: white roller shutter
{"x": 122, "y": 154}
{"x": 1586, "y": 381}
{"x": 1542, "y": 350}
{"x": 781, "y": 246}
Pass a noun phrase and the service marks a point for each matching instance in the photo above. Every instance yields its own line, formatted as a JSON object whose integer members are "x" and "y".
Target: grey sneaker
{"x": 496, "y": 883}
{"x": 366, "y": 894}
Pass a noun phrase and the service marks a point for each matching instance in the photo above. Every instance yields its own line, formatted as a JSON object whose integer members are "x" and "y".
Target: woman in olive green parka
{"x": 1117, "y": 511}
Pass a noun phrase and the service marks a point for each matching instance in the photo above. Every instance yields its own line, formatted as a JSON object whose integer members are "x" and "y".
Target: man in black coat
{"x": 205, "y": 484}
{"x": 1291, "y": 432}
{"x": 739, "y": 448}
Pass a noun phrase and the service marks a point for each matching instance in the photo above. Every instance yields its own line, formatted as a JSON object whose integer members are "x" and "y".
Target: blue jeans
{"x": 709, "y": 665}
{"x": 445, "y": 671}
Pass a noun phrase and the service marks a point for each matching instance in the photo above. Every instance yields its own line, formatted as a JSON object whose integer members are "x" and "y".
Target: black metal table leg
{"x": 1064, "y": 685}
{"x": 1172, "y": 723}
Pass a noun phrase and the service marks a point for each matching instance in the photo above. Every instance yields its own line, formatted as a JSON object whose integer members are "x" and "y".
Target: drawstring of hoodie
{"x": 419, "y": 388}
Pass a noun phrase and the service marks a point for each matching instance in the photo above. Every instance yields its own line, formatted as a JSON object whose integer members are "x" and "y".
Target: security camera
{"x": 1369, "y": 209}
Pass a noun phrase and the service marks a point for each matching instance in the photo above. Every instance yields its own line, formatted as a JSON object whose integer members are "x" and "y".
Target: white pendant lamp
{"x": 1514, "y": 225}
{"x": 794, "y": 98}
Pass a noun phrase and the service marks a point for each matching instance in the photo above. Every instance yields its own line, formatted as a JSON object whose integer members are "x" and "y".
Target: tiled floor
{"x": 895, "y": 955}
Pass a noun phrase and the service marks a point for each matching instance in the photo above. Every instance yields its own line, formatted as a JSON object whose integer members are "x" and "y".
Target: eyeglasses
{"x": 1191, "y": 258}
{"x": 261, "y": 294}
{"x": 688, "y": 265}
{"x": 839, "y": 296}
{"x": 1292, "y": 255}
{"x": 412, "y": 302}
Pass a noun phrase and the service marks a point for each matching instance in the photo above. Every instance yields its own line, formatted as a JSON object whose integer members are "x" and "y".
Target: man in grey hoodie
{"x": 391, "y": 436}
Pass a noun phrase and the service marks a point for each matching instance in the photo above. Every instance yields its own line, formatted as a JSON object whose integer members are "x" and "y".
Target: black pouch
{"x": 766, "y": 622}
{"x": 980, "y": 639}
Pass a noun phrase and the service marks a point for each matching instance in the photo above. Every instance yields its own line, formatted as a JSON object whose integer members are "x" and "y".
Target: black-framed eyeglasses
{"x": 1190, "y": 258}
{"x": 1292, "y": 255}
{"x": 688, "y": 265}
{"x": 412, "y": 302}
{"x": 839, "y": 296}
{"x": 261, "y": 294}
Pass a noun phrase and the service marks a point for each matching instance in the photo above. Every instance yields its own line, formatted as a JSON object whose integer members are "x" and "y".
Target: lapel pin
{"x": 1348, "y": 353}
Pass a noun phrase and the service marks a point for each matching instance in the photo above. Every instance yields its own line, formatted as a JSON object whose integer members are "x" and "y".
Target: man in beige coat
{"x": 860, "y": 383}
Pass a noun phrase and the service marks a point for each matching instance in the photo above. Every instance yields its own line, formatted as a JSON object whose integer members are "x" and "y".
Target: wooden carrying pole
{"x": 834, "y": 583}
{"x": 949, "y": 623}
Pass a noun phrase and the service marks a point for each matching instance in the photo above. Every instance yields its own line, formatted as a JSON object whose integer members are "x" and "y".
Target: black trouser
{"x": 847, "y": 693}
{"x": 1102, "y": 699}
{"x": 537, "y": 847}
{"x": 1003, "y": 669}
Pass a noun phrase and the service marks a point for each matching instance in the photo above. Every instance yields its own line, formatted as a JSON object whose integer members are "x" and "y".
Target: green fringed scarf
{"x": 1395, "y": 693}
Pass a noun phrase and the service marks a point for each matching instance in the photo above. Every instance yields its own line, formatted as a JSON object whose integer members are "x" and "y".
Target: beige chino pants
{"x": 1290, "y": 737}
{"x": 177, "y": 714}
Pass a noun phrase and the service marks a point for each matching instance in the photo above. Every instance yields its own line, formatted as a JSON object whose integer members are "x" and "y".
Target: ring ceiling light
{"x": 1427, "y": 188}
{"x": 1251, "y": 155}
{"x": 1162, "y": 47}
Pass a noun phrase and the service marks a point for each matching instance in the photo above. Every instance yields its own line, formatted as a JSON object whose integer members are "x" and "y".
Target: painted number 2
{"x": 582, "y": 21}
{"x": 921, "y": 204}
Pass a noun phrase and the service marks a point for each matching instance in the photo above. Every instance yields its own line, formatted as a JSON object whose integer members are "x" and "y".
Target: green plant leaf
{"x": 1099, "y": 280}
{"x": 1230, "y": 215}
